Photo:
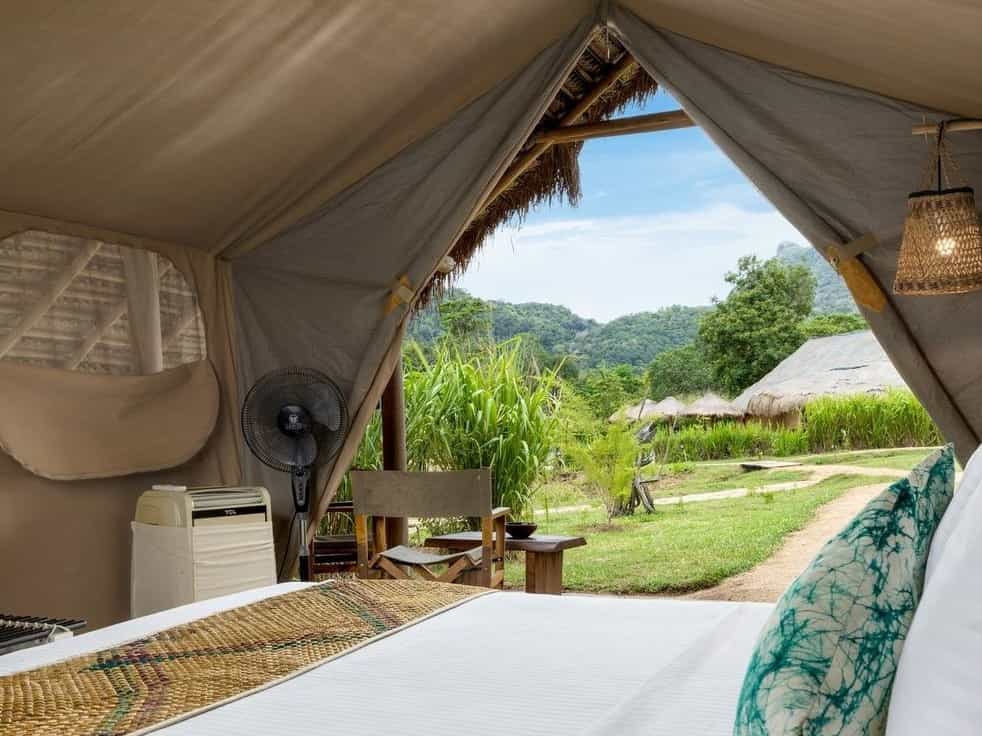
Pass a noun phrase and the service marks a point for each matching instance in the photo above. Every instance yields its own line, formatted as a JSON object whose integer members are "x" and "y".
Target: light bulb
{"x": 945, "y": 246}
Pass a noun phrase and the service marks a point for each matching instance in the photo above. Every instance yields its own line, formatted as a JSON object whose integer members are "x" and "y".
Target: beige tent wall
{"x": 65, "y": 545}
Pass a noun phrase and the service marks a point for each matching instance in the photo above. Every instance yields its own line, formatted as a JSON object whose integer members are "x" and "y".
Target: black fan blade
{"x": 324, "y": 406}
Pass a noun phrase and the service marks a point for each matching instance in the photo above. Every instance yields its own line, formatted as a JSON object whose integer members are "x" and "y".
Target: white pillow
{"x": 938, "y": 687}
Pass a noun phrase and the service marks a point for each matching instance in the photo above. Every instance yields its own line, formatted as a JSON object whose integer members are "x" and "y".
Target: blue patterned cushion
{"x": 825, "y": 661}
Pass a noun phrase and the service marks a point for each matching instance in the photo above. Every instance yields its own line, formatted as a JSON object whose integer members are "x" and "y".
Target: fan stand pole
{"x": 301, "y": 502}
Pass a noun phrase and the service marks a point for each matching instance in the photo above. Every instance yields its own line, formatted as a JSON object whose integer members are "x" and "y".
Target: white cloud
{"x": 605, "y": 267}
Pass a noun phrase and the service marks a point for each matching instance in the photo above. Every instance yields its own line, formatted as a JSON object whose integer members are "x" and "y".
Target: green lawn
{"x": 682, "y": 548}
{"x": 685, "y": 480}
{"x": 695, "y": 478}
{"x": 896, "y": 459}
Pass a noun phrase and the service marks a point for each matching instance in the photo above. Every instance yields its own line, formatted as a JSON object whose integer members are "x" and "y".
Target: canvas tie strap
{"x": 138, "y": 687}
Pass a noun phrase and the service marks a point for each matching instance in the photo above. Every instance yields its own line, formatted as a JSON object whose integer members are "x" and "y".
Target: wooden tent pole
{"x": 394, "y": 446}
{"x": 671, "y": 120}
{"x": 525, "y": 160}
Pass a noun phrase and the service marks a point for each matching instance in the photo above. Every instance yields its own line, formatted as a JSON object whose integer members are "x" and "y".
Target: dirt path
{"x": 768, "y": 580}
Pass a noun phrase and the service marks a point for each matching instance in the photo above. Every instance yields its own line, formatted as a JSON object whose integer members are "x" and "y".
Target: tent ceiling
{"x": 922, "y": 51}
{"x": 218, "y": 123}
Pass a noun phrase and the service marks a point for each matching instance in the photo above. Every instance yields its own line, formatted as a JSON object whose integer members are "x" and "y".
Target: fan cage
{"x": 278, "y": 388}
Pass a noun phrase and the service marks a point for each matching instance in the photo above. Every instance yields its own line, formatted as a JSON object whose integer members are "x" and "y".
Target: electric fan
{"x": 295, "y": 420}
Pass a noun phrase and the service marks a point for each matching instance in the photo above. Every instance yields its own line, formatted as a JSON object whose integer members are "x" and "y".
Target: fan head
{"x": 294, "y": 418}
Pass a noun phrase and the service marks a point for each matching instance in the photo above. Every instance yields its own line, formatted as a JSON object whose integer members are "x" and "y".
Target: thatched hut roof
{"x": 669, "y": 408}
{"x": 644, "y": 409}
{"x": 839, "y": 365}
{"x": 555, "y": 172}
{"x": 711, "y": 405}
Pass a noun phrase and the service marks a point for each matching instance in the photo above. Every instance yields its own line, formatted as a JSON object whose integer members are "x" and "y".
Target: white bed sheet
{"x": 543, "y": 664}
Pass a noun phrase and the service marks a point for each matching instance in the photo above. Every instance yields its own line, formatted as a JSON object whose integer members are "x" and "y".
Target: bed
{"x": 543, "y": 664}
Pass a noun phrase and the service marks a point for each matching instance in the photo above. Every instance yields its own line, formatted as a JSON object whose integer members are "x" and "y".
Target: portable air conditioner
{"x": 190, "y": 544}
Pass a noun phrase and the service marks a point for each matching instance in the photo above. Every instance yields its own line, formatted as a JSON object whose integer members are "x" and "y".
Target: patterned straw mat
{"x": 144, "y": 684}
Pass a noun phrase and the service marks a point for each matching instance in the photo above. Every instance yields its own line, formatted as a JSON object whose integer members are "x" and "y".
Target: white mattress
{"x": 542, "y": 664}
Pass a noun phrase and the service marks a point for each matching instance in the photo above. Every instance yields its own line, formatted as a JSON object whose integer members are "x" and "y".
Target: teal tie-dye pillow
{"x": 825, "y": 661}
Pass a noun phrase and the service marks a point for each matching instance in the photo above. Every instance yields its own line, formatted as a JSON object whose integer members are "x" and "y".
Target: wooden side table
{"x": 543, "y": 556}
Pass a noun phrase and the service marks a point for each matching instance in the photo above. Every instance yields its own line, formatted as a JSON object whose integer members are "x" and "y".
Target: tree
{"x": 683, "y": 370}
{"x": 466, "y": 319}
{"x": 839, "y": 323}
{"x": 759, "y": 322}
{"x": 606, "y": 390}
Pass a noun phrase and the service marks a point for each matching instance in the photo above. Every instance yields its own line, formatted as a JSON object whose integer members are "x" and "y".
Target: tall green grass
{"x": 894, "y": 419}
{"x": 491, "y": 409}
{"x": 725, "y": 440}
{"x": 864, "y": 421}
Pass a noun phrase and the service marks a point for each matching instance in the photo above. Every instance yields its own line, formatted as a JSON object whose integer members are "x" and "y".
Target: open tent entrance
{"x": 818, "y": 150}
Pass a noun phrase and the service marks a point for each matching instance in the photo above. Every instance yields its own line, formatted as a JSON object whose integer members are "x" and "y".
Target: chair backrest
{"x": 434, "y": 495}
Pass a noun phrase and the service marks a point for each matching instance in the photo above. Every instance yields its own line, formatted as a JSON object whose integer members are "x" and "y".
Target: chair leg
{"x": 487, "y": 550}
{"x": 454, "y": 570}
{"x": 361, "y": 543}
{"x": 498, "y": 578}
{"x": 393, "y": 570}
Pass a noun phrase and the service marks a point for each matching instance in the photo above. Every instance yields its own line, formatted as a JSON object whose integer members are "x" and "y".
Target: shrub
{"x": 608, "y": 463}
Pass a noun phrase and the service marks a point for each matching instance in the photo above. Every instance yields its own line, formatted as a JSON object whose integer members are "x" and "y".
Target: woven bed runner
{"x": 145, "y": 684}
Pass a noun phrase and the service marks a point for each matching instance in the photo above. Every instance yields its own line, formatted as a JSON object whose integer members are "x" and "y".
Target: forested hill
{"x": 637, "y": 338}
{"x": 831, "y": 293}
{"x": 634, "y": 339}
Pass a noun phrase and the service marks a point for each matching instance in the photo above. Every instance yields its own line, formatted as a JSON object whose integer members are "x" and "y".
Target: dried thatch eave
{"x": 555, "y": 173}
{"x": 711, "y": 406}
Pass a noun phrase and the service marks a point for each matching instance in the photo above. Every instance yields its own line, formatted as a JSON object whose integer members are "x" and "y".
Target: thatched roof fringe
{"x": 555, "y": 176}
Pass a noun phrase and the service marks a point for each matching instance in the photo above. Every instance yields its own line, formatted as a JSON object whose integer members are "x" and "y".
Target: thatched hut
{"x": 644, "y": 409}
{"x": 712, "y": 406}
{"x": 839, "y": 365}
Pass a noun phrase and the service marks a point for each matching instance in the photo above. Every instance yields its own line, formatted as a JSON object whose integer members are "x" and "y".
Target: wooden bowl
{"x": 520, "y": 529}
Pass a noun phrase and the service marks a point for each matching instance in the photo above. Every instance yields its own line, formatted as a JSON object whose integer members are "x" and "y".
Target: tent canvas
{"x": 296, "y": 163}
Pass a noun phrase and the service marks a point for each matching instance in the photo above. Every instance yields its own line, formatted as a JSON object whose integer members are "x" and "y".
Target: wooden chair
{"x": 378, "y": 494}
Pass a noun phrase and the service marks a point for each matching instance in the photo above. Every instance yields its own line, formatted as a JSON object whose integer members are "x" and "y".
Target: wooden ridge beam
{"x": 672, "y": 120}
{"x": 53, "y": 291}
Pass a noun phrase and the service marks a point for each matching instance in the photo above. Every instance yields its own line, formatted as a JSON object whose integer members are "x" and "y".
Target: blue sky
{"x": 663, "y": 217}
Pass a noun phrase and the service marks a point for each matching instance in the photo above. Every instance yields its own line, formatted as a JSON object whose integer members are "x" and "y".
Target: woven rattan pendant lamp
{"x": 941, "y": 251}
